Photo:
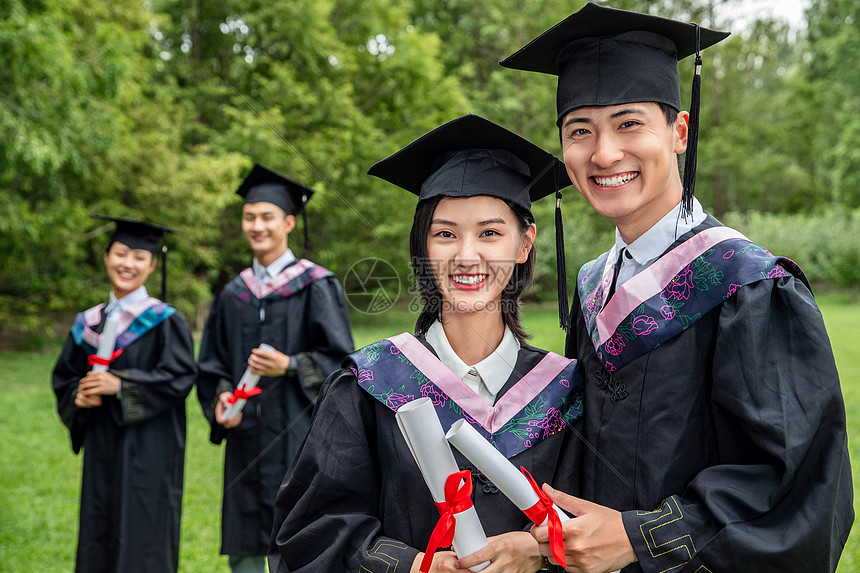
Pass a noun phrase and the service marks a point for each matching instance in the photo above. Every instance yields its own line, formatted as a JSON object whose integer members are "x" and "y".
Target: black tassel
{"x": 305, "y": 221}
{"x": 561, "y": 267}
{"x": 164, "y": 273}
{"x": 692, "y": 135}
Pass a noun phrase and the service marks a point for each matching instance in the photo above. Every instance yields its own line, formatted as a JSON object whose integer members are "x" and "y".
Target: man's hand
{"x": 268, "y": 363}
{"x": 595, "y": 541}
{"x": 223, "y": 402}
{"x": 98, "y": 383}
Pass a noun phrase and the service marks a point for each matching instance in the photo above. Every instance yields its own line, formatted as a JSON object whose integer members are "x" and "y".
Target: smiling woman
{"x": 476, "y": 255}
{"x": 128, "y": 415}
{"x": 471, "y": 246}
{"x": 473, "y": 257}
{"x": 127, "y": 268}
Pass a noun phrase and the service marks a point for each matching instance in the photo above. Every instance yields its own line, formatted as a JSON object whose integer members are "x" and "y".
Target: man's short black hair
{"x": 670, "y": 112}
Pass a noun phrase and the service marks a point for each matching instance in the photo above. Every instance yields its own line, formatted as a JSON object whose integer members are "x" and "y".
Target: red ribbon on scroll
{"x": 243, "y": 394}
{"x": 538, "y": 514}
{"x": 94, "y": 358}
{"x": 458, "y": 498}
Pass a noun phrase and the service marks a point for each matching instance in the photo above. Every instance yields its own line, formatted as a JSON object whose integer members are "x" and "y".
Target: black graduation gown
{"x": 134, "y": 450}
{"x": 312, "y": 327}
{"x": 355, "y": 500}
{"x": 730, "y": 442}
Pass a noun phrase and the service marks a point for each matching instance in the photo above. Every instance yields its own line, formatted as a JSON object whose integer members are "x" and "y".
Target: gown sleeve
{"x": 780, "y": 499}
{"x": 71, "y": 366}
{"x": 213, "y": 366}
{"x": 147, "y": 393}
{"x": 329, "y": 338}
{"x": 327, "y": 509}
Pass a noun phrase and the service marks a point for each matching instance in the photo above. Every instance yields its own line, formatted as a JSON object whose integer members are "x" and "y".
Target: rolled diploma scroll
{"x": 423, "y": 433}
{"x": 496, "y": 467}
{"x": 247, "y": 382}
{"x": 107, "y": 342}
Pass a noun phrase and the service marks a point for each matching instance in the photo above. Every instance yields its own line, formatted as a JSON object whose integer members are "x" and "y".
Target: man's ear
{"x": 290, "y": 222}
{"x": 681, "y": 128}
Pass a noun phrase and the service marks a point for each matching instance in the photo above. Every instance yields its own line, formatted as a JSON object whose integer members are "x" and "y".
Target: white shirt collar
{"x": 654, "y": 242}
{"x": 121, "y": 304}
{"x": 267, "y": 273}
{"x": 492, "y": 372}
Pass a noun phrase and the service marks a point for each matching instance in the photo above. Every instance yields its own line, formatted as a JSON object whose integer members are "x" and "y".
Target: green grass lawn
{"x": 40, "y": 477}
{"x": 843, "y": 326}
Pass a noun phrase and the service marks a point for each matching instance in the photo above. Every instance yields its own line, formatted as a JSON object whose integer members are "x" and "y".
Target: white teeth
{"x": 468, "y": 279}
{"x": 615, "y": 180}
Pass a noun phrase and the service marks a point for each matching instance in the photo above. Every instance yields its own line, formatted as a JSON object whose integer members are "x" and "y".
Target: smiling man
{"x": 294, "y": 306}
{"x": 623, "y": 161}
{"x": 714, "y": 426}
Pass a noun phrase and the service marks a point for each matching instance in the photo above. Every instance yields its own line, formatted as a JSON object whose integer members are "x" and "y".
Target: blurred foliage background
{"x": 157, "y": 109}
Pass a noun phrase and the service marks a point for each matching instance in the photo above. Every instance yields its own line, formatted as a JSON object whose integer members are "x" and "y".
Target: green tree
{"x": 157, "y": 109}
{"x": 72, "y": 72}
{"x": 834, "y": 88}
{"x": 316, "y": 90}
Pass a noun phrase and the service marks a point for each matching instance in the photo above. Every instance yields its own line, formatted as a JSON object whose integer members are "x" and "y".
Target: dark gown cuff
{"x": 662, "y": 539}
{"x": 70, "y": 410}
{"x": 223, "y": 386}
{"x": 75, "y": 419}
{"x": 310, "y": 375}
{"x": 217, "y": 432}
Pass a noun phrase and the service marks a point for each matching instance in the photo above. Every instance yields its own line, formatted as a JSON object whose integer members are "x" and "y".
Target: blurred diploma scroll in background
{"x": 107, "y": 342}
{"x": 248, "y": 382}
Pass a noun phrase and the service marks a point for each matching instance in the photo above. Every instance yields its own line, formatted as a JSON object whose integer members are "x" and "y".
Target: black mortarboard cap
{"x": 604, "y": 56}
{"x": 471, "y": 156}
{"x": 136, "y": 234}
{"x": 141, "y": 235}
{"x": 262, "y": 185}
